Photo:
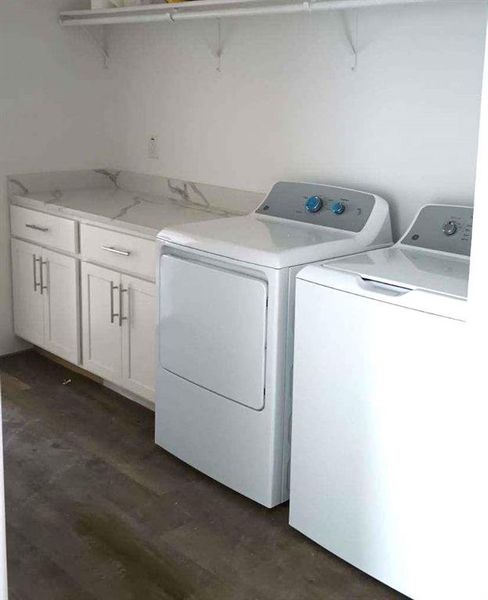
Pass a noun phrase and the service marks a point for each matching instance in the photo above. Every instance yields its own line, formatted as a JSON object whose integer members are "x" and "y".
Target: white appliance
{"x": 382, "y": 461}
{"x": 225, "y": 315}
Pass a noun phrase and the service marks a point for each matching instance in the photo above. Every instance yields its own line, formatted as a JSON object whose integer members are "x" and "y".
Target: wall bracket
{"x": 216, "y": 45}
{"x": 220, "y": 47}
{"x": 100, "y": 42}
{"x": 351, "y": 30}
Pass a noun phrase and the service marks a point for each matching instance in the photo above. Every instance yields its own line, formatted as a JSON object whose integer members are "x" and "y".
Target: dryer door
{"x": 213, "y": 329}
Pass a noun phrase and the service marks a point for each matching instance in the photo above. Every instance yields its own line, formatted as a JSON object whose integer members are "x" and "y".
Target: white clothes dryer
{"x": 383, "y": 422}
{"x": 226, "y": 295}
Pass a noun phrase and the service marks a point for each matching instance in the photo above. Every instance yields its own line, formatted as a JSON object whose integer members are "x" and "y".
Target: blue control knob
{"x": 314, "y": 204}
{"x": 338, "y": 208}
{"x": 450, "y": 228}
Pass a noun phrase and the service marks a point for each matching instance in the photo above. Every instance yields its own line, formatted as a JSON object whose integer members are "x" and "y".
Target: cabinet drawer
{"x": 118, "y": 250}
{"x": 44, "y": 229}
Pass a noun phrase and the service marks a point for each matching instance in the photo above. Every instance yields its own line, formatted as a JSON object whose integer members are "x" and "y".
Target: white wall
{"x": 53, "y": 96}
{"x": 287, "y": 105}
{"x": 478, "y": 283}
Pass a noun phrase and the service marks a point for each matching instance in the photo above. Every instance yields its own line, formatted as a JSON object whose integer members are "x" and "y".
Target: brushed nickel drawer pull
{"x": 37, "y": 227}
{"x": 115, "y": 251}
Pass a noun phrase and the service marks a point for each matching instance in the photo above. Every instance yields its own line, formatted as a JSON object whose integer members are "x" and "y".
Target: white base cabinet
{"x": 138, "y": 336}
{"x": 28, "y": 302}
{"x": 114, "y": 337}
{"x": 46, "y": 299}
{"x": 118, "y": 328}
{"x": 62, "y": 331}
{"x": 102, "y": 336}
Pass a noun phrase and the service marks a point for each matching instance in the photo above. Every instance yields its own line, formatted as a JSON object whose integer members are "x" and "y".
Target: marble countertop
{"x": 119, "y": 209}
{"x": 144, "y": 212}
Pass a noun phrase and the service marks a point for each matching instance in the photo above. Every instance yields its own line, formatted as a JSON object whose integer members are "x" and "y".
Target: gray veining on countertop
{"x": 141, "y": 203}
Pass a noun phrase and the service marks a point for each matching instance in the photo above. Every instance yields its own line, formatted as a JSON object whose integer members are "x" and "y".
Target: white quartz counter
{"x": 141, "y": 212}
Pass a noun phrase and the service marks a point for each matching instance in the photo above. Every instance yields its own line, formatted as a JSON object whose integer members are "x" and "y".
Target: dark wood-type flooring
{"x": 96, "y": 511}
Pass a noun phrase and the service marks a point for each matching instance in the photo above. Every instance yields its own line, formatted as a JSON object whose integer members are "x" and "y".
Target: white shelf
{"x": 198, "y": 9}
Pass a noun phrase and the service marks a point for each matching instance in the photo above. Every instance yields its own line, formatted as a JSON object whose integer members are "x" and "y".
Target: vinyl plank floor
{"x": 95, "y": 510}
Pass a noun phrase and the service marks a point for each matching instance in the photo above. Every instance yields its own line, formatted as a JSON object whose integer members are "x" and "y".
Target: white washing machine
{"x": 226, "y": 291}
{"x": 383, "y": 468}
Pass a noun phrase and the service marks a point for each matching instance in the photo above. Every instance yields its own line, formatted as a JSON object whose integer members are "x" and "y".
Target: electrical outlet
{"x": 153, "y": 147}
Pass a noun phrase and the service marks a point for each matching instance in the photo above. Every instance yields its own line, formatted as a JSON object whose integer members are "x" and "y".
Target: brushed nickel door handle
{"x": 112, "y": 313}
{"x": 43, "y": 264}
{"x": 35, "y": 260}
{"x": 121, "y": 311}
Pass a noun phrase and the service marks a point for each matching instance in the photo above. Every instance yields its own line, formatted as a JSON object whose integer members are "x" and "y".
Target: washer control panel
{"x": 317, "y": 204}
{"x": 443, "y": 228}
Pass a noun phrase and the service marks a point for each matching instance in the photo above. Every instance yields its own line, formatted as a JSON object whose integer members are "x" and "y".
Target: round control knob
{"x": 314, "y": 204}
{"x": 338, "y": 208}
{"x": 450, "y": 228}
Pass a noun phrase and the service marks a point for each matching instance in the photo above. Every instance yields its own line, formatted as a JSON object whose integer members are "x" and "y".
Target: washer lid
{"x": 264, "y": 241}
{"x": 427, "y": 270}
{"x": 400, "y": 267}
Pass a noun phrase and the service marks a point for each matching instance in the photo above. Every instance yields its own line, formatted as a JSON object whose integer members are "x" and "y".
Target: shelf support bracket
{"x": 220, "y": 48}
{"x": 215, "y": 44}
{"x": 101, "y": 43}
{"x": 352, "y": 35}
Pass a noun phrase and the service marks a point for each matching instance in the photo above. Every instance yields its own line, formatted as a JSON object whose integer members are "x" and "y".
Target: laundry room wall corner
{"x": 54, "y": 99}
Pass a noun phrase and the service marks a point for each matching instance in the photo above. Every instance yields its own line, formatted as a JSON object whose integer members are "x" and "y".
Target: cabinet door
{"x": 28, "y": 302}
{"x": 139, "y": 327}
{"x": 102, "y": 331}
{"x": 60, "y": 283}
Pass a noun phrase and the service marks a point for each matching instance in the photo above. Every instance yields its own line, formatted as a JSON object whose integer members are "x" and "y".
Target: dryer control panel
{"x": 329, "y": 206}
{"x": 443, "y": 228}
